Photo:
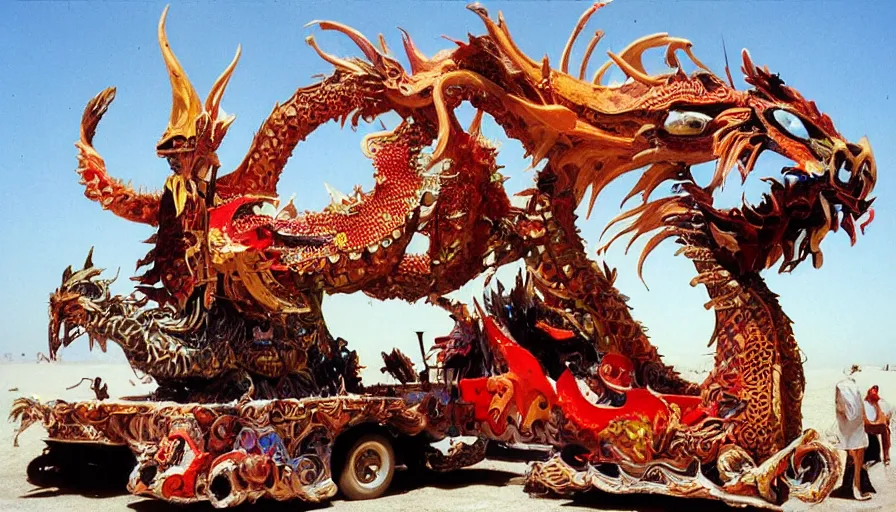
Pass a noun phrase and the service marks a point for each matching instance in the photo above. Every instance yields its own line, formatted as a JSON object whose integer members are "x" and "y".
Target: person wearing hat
{"x": 851, "y": 423}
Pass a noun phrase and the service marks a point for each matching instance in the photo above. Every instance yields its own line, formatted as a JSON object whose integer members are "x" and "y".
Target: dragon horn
{"x": 114, "y": 278}
{"x": 185, "y": 106}
{"x": 213, "y": 101}
{"x": 88, "y": 263}
{"x": 66, "y": 274}
{"x": 501, "y": 36}
{"x": 583, "y": 20}
{"x": 383, "y": 45}
{"x": 593, "y": 97}
{"x": 749, "y": 69}
{"x": 417, "y": 59}
{"x": 358, "y": 38}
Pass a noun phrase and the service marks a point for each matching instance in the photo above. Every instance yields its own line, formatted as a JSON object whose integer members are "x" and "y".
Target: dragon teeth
{"x": 334, "y": 258}
{"x": 373, "y": 248}
{"x": 354, "y": 256}
{"x": 396, "y": 234}
{"x": 386, "y": 243}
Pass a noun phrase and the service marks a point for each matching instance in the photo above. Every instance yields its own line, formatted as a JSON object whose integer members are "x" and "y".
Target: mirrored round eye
{"x": 791, "y": 124}
{"x": 685, "y": 123}
{"x": 265, "y": 209}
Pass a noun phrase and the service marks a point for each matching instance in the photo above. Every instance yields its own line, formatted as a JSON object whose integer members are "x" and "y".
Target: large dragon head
{"x": 195, "y": 129}
{"x": 72, "y": 304}
{"x": 593, "y": 133}
{"x": 827, "y": 187}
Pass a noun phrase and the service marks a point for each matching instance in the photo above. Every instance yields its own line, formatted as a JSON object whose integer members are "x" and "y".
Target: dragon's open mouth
{"x": 796, "y": 213}
{"x": 62, "y": 334}
{"x": 786, "y": 226}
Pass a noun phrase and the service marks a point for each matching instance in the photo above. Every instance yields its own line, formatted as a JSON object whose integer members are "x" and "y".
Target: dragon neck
{"x": 111, "y": 320}
{"x": 756, "y": 359}
{"x": 568, "y": 278}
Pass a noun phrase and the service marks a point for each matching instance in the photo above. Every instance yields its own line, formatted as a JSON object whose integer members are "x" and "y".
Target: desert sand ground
{"x": 486, "y": 486}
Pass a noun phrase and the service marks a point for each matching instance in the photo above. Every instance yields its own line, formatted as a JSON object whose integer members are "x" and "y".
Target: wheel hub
{"x": 367, "y": 465}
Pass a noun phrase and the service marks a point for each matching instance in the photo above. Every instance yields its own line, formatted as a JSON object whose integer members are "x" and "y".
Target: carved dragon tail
{"x": 113, "y": 195}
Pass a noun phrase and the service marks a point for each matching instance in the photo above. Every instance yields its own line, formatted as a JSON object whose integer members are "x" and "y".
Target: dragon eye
{"x": 265, "y": 209}
{"x": 791, "y": 124}
{"x": 686, "y": 123}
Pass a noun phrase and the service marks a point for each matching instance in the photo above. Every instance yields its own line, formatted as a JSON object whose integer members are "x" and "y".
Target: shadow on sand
{"x": 598, "y": 500}
{"x": 406, "y": 482}
{"x": 86, "y": 492}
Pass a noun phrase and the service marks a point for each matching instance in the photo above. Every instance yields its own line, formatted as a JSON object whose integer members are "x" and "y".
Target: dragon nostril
{"x": 854, "y": 149}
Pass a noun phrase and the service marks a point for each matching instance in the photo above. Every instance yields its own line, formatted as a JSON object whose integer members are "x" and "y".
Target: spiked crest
{"x": 186, "y": 106}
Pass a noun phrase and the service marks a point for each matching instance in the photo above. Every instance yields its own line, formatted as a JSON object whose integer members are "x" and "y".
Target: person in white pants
{"x": 851, "y": 421}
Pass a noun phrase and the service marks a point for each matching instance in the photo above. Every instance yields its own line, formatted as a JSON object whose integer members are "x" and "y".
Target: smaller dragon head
{"x": 401, "y": 88}
{"x": 195, "y": 130}
{"x": 72, "y": 304}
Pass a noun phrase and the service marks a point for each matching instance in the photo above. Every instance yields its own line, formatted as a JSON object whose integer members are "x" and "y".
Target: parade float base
{"x": 489, "y": 485}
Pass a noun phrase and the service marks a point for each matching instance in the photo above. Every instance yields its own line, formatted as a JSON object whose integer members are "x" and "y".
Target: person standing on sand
{"x": 877, "y": 420}
{"x": 851, "y": 421}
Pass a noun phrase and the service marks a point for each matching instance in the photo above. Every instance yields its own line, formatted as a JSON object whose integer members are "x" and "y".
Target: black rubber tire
{"x": 46, "y": 471}
{"x": 351, "y": 484}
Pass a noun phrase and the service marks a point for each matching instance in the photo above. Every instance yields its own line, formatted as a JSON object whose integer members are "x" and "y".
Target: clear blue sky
{"x": 57, "y": 55}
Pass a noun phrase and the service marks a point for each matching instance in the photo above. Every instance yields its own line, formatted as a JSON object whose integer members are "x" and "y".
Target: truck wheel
{"x": 45, "y": 471}
{"x": 369, "y": 467}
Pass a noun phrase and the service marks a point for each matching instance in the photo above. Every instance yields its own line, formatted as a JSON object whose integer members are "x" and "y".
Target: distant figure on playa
{"x": 851, "y": 422}
{"x": 877, "y": 421}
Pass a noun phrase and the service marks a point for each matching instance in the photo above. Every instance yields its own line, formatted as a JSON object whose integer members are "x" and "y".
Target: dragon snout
{"x": 860, "y": 170}
{"x": 854, "y": 175}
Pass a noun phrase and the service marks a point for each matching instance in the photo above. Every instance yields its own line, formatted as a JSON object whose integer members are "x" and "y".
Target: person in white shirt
{"x": 851, "y": 422}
